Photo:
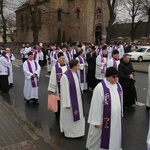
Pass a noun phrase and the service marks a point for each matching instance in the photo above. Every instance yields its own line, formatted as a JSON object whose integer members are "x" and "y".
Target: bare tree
{"x": 146, "y": 14}
{"x": 113, "y": 9}
{"x": 6, "y": 8}
{"x": 4, "y": 28}
{"x": 134, "y": 10}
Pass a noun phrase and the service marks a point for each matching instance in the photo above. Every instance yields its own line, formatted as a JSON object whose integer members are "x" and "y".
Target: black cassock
{"x": 4, "y": 84}
{"x": 128, "y": 85}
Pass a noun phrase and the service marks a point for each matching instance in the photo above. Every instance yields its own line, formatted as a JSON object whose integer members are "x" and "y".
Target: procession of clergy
{"x": 72, "y": 71}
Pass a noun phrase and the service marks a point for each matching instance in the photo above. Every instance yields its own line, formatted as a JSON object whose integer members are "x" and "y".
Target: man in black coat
{"x": 91, "y": 60}
{"x": 126, "y": 79}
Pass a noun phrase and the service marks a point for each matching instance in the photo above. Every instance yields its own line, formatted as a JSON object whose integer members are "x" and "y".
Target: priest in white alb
{"x": 82, "y": 71}
{"x": 54, "y": 80}
{"x": 114, "y": 61}
{"x": 72, "y": 119}
{"x": 10, "y": 57}
{"x": 31, "y": 69}
{"x": 105, "y": 116}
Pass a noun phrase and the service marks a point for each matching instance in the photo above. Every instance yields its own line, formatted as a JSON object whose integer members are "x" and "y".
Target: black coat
{"x": 91, "y": 61}
{"x": 125, "y": 69}
{"x": 128, "y": 85}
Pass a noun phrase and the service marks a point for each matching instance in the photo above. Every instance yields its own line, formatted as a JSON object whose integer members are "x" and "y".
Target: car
{"x": 142, "y": 53}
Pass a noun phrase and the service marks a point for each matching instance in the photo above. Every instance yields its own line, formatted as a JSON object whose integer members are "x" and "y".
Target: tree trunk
{"x": 4, "y": 31}
{"x": 147, "y": 32}
{"x": 3, "y": 22}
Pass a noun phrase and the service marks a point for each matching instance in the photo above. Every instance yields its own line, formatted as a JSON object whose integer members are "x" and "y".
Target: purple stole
{"x": 68, "y": 55}
{"x": 73, "y": 52}
{"x": 32, "y": 79}
{"x": 115, "y": 64}
{"x": 73, "y": 96}
{"x": 55, "y": 56}
{"x": 81, "y": 71}
{"x": 105, "y": 137}
{"x": 7, "y": 67}
{"x": 102, "y": 61}
{"x": 35, "y": 53}
{"x": 99, "y": 50}
{"x": 58, "y": 75}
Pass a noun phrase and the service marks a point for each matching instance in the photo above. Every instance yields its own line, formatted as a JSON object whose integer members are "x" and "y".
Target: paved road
{"x": 135, "y": 122}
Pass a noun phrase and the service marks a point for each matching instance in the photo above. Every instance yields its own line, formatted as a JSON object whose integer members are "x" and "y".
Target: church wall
{"x": 79, "y": 29}
{"x": 78, "y": 26}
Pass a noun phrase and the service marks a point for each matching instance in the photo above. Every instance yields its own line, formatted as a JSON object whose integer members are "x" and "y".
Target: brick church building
{"x": 74, "y": 20}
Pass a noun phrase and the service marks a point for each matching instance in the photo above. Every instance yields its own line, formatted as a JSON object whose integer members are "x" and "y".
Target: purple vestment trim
{"x": 35, "y": 55}
{"x": 58, "y": 75}
{"x": 102, "y": 61}
{"x": 106, "y": 127}
{"x": 56, "y": 56}
{"x": 8, "y": 70}
{"x": 68, "y": 56}
{"x": 73, "y": 96}
{"x": 30, "y": 69}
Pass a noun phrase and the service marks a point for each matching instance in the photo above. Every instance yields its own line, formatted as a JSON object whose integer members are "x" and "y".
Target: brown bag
{"x": 52, "y": 103}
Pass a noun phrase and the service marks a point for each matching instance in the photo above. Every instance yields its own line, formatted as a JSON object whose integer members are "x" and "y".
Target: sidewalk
{"x": 16, "y": 134}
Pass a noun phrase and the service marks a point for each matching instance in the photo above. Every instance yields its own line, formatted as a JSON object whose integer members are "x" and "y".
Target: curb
{"x": 32, "y": 130}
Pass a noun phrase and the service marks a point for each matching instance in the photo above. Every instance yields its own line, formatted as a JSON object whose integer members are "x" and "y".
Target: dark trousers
{"x": 57, "y": 114}
{"x": 4, "y": 85}
{"x": 91, "y": 79}
{"x": 129, "y": 97}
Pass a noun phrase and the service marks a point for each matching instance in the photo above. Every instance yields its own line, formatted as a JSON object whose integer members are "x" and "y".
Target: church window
{"x": 59, "y": 15}
{"x": 98, "y": 13}
{"x": 78, "y": 13}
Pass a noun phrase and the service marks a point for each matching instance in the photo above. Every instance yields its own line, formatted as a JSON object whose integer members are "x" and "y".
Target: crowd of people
{"x": 103, "y": 69}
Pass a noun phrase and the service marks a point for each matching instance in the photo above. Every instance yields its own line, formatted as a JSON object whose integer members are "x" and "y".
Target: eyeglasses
{"x": 115, "y": 76}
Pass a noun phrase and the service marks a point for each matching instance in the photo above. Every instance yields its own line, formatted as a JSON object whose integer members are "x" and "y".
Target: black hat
{"x": 104, "y": 47}
{"x": 30, "y": 53}
{"x": 111, "y": 71}
{"x": 115, "y": 52}
{"x": 79, "y": 45}
{"x": 93, "y": 48}
{"x": 60, "y": 54}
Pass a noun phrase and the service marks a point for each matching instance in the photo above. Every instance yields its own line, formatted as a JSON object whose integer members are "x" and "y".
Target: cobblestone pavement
{"x": 15, "y": 135}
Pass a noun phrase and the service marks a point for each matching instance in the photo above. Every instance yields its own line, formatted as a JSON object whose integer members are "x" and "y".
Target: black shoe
{"x": 147, "y": 108}
{"x": 35, "y": 101}
{"x": 11, "y": 85}
{"x": 27, "y": 101}
{"x": 131, "y": 107}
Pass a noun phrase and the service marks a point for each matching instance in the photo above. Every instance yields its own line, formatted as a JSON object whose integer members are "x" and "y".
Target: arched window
{"x": 98, "y": 12}
{"x": 59, "y": 14}
{"x": 78, "y": 13}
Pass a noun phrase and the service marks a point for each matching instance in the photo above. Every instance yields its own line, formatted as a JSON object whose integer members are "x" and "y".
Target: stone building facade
{"x": 74, "y": 20}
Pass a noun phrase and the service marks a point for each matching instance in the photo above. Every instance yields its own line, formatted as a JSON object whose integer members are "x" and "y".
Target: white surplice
{"x": 29, "y": 91}
{"x": 99, "y": 66}
{"x": 52, "y": 85}
{"x": 70, "y": 128}
{"x": 96, "y": 118}
{"x": 110, "y": 63}
{"x": 10, "y": 59}
{"x": 82, "y": 67}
